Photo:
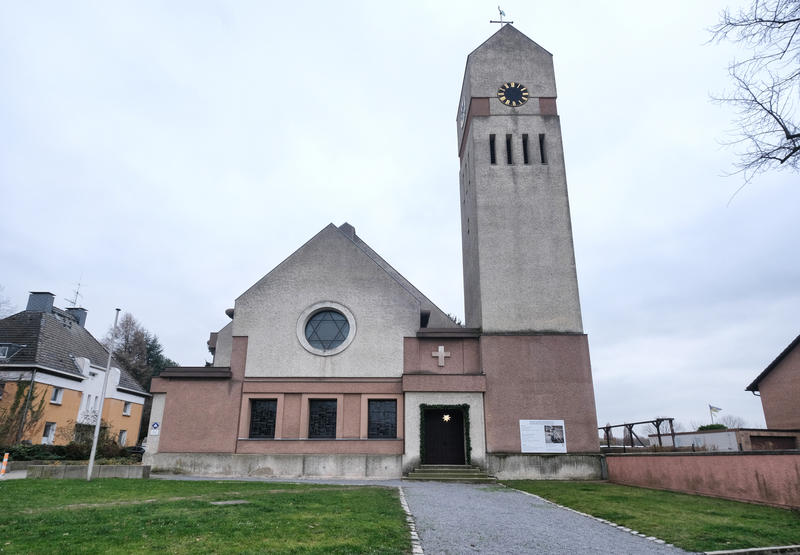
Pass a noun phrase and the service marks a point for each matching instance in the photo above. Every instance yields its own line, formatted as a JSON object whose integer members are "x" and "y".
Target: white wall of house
{"x": 713, "y": 441}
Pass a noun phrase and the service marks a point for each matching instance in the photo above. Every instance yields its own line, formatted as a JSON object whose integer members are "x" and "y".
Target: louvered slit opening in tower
{"x": 525, "y": 159}
{"x": 542, "y": 150}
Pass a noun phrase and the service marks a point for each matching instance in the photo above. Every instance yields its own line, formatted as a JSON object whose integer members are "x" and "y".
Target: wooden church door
{"x": 444, "y": 436}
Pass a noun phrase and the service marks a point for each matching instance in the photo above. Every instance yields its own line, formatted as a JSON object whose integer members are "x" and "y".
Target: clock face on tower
{"x": 512, "y": 94}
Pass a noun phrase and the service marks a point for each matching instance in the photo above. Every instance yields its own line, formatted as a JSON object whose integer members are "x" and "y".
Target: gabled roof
{"x": 52, "y": 340}
{"x": 754, "y": 386}
{"x": 506, "y": 30}
{"x": 348, "y": 232}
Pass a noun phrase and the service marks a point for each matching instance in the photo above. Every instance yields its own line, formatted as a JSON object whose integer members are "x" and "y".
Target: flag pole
{"x": 102, "y": 399}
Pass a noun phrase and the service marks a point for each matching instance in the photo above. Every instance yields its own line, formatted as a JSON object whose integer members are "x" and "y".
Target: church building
{"x": 333, "y": 364}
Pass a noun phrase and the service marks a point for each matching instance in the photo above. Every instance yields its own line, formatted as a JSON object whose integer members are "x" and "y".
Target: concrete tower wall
{"x": 519, "y": 263}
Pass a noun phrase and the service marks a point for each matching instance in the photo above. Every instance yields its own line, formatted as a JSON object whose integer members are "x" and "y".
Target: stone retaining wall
{"x": 516, "y": 466}
{"x": 80, "y": 471}
{"x": 767, "y": 477}
{"x": 23, "y": 465}
{"x": 279, "y": 465}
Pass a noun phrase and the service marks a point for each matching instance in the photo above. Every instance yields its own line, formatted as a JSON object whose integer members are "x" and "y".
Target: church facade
{"x": 333, "y": 364}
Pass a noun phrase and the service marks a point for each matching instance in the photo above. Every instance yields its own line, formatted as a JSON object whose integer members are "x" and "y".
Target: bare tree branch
{"x": 766, "y": 86}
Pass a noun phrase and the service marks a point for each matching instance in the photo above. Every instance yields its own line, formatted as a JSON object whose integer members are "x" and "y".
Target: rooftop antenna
{"x": 77, "y": 291}
{"x": 502, "y": 15}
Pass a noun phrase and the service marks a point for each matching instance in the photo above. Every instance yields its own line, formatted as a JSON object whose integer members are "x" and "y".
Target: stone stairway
{"x": 450, "y": 473}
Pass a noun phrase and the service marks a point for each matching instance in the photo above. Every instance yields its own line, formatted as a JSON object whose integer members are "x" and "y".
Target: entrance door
{"x": 444, "y": 436}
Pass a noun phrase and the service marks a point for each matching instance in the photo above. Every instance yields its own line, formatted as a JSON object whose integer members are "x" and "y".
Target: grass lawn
{"x": 691, "y": 522}
{"x": 124, "y": 516}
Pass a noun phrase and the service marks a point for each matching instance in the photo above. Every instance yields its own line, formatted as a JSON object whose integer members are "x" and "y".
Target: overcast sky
{"x": 169, "y": 154}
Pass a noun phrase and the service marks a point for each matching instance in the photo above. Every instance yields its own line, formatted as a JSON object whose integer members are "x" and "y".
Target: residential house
{"x": 51, "y": 349}
{"x": 778, "y": 385}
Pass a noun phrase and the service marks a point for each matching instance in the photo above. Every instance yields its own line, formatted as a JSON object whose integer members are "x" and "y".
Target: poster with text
{"x": 542, "y": 436}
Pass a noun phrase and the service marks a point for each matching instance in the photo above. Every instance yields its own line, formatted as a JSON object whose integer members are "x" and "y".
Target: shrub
{"x": 712, "y": 427}
{"x": 110, "y": 451}
{"x": 77, "y": 451}
{"x": 23, "y": 452}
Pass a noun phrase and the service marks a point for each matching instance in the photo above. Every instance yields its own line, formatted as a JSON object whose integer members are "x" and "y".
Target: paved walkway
{"x": 463, "y": 518}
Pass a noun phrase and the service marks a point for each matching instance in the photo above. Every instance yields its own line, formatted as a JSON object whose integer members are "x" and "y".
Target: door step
{"x": 450, "y": 473}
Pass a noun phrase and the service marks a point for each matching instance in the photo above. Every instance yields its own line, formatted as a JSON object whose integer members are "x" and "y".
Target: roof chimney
{"x": 79, "y": 314}
{"x": 348, "y": 230}
{"x": 40, "y": 301}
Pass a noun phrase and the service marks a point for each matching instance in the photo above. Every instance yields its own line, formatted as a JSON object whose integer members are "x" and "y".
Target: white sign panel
{"x": 154, "y": 429}
{"x": 542, "y": 436}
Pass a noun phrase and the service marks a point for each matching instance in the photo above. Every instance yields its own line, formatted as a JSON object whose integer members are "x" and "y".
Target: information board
{"x": 542, "y": 436}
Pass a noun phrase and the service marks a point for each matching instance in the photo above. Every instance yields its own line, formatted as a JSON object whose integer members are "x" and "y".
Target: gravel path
{"x": 464, "y": 518}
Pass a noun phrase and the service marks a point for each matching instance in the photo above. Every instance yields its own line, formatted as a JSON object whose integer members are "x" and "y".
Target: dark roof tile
{"x": 53, "y": 339}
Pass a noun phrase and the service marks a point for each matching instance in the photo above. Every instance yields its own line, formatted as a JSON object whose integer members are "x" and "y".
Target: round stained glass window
{"x": 327, "y": 329}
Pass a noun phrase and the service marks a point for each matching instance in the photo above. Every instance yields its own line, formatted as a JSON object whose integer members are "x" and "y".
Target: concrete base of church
{"x": 516, "y": 466}
{"x": 279, "y": 466}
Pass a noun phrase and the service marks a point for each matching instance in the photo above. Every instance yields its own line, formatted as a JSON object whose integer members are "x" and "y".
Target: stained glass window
{"x": 262, "y": 418}
{"x": 322, "y": 419}
{"x": 382, "y": 419}
{"x": 327, "y": 329}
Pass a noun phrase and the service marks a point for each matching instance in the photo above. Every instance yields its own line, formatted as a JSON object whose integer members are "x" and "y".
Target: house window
{"x": 262, "y": 418}
{"x": 49, "y": 433}
{"x": 4, "y": 352}
{"x": 126, "y": 409}
{"x": 58, "y": 394}
{"x": 382, "y": 419}
{"x": 322, "y": 419}
{"x": 123, "y": 438}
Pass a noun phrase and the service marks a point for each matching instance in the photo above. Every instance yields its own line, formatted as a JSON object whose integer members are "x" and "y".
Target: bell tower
{"x": 520, "y": 283}
{"x": 519, "y": 263}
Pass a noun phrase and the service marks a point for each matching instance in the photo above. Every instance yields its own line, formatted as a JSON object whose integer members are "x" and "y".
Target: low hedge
{"x": 69, "y": 452}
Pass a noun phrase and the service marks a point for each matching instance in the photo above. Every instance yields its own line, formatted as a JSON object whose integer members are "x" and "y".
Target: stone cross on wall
{"x": 442, "y": 354}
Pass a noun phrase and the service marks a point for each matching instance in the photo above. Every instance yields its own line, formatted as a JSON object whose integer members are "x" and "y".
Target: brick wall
{"x": 771, "y": 478}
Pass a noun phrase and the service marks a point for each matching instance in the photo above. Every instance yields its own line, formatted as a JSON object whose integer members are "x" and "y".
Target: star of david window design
{"x": 327, "y": 329}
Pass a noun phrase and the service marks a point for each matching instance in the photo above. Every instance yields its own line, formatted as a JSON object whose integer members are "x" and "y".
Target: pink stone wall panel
{"x": 464, "y": 356}
{"x": 780, "y": 393}
{"x": 445, "y": 383}
{"x": 352, "y": 416}
{"x": 291, "y": 415}
{"x": 538, "y": 377}
{"x": 760, "y": 478}
{"x": 322, "y": 447}
{"x": 202, "y": 415}
{"x": 355, "y": 385}
{"x": 410, "y": 353}
{"x": 547, "y": 106}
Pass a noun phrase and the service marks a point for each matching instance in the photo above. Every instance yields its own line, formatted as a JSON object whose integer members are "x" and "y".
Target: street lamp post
{"x": 102, "y": 399}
